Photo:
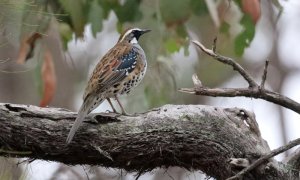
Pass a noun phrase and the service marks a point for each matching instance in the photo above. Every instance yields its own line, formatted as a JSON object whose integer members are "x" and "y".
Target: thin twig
{"x": 264, "y": 76}
{"x": 256, "y": 93}
{"x": 253, "y": 86}
{"x": 254, "y": 90}
{"x": 196, "y": 81}
{"x": 214, "y": 47}
{"x": 265, "y": 158}
{"x": 226, "y": 60}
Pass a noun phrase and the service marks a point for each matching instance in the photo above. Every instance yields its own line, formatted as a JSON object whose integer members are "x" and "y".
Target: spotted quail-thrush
{"x": 120, "y": 70}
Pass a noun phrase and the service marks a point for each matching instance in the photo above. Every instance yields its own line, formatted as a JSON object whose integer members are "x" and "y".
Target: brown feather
{"x": 103, "y": 75}
{"x": 123, "y": 33}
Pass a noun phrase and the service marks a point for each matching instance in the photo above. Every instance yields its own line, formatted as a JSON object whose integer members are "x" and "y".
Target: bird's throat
{"x": 134, "y": 41}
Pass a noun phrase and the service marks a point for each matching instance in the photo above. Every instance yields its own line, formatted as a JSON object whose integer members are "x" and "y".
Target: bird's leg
{"x": 110, "y": 103}
{"x": 123, "y": 110}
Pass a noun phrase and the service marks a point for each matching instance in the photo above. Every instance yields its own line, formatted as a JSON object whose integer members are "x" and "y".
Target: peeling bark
{"x": 194, "y": 137}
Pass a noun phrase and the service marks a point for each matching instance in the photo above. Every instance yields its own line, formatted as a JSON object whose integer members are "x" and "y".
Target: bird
{"x": 120, "y": 70}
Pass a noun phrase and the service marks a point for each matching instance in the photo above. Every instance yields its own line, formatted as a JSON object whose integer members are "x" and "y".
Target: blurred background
{"x": 49, "y": 48}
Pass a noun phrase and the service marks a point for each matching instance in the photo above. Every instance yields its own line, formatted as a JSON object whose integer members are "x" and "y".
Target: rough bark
{"x": 194, "y": 137}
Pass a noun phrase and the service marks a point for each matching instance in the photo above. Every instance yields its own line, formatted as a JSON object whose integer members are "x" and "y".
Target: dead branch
{"x": 226, "y": 60}
{"x": 253, "y": 91}
{"x": 264, "y": 76}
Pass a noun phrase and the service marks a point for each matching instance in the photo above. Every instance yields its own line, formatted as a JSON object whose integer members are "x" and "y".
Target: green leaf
{"x": 108, "y": 5}
{"x": 174, "y": 12}
{"x": 95, "y": 17}
{"x": 172, "y": 46}
{"x": 185, "y": 42}
{"x": 244, "y": 39}
{"x": 129, "y": 12}
{"x": 198, "y": 7}
{"x": 119, "y": 27}
{"x": 224, "y": 28}
{"x": 75, "y": 9}
{"x": 65, "y": 33}
{"x": 239, "y": 3}
{"x": 181, "y": 31}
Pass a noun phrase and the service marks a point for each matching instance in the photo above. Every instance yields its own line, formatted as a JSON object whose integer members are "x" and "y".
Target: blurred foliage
{"x": 244, "y": 39}
{"x": 172, "y": 24}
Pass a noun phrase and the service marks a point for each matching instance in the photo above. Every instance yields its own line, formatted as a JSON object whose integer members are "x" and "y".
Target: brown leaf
{"x": 26, "y": 47}
{"x": 252, "y": 7}
{"x": 48, "y": 78}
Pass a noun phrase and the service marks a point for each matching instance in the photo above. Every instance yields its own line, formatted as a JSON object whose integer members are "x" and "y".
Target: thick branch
{"x": 189, "y": 136}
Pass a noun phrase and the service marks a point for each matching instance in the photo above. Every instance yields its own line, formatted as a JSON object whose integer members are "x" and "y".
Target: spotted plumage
{"x": 128, "y": 61}
{"x": 120, "y": 70}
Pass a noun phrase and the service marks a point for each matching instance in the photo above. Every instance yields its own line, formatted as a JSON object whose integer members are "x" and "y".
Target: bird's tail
{"x": 80, "y": 118}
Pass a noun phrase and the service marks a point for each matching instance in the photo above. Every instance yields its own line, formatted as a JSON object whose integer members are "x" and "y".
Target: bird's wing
{"x": 112, "y": 68}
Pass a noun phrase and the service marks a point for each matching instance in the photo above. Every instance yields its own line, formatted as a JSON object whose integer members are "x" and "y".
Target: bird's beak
{"x": 145, "y": 31}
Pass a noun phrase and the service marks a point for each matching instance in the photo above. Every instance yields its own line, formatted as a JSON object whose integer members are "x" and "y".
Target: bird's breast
{"x": 134, "y": 78}
{"x": 135, "y": 65}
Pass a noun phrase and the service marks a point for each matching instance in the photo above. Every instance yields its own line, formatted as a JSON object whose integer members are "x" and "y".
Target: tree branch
{"x": 194, "y": 137}
{"x": 254, "y": 90}
{"x": 256, "y": 93}
{"x": 265, "y": 158}
{"x": 264, "y": 76}
{"x": 228, "y": 61}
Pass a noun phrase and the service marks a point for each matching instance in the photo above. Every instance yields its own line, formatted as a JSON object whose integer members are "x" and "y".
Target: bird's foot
{"x": 109, "y": 111}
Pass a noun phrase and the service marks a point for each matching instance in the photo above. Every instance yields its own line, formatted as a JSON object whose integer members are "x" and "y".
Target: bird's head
{"x": 132, "y": 35}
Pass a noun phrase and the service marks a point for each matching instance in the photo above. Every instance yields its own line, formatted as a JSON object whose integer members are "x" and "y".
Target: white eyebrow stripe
{"x": 128, "y": 32}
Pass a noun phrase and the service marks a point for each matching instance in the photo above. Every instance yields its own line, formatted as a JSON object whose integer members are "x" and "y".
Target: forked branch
{"x": 254, "y": 91}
